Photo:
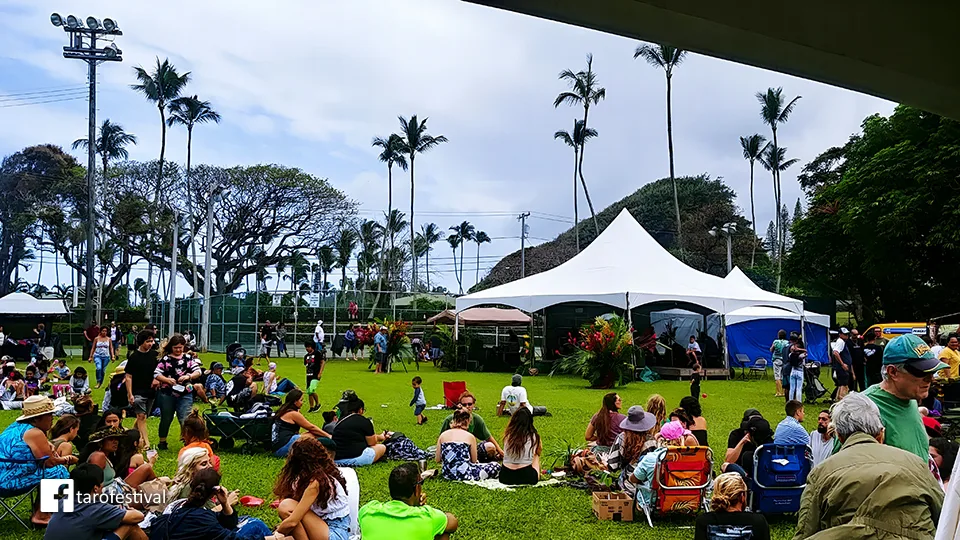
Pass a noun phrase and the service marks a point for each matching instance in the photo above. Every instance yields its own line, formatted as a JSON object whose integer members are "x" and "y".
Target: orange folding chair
{"x": 680, "y": 482}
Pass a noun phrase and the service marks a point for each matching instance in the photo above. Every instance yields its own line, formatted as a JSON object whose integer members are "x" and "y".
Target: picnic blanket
{"x": 495, "y": 485}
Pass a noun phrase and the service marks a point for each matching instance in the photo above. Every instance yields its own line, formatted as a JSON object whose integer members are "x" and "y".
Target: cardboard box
{"x": 613, "y": 506}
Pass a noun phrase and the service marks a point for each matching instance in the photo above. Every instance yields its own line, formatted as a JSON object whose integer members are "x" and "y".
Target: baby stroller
{"x": 236, "y": 354}
{"x": 813, "y": 389}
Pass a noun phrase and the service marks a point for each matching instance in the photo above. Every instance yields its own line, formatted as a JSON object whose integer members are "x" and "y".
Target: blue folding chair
{"x": 19, "y": 495}
{"x": 779, "y": 476}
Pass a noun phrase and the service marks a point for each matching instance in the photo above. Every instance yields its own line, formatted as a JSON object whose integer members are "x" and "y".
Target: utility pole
{"x": 90, "y": 54}
{"x": 173, "y": 274}
{"x": 522, "y": 218}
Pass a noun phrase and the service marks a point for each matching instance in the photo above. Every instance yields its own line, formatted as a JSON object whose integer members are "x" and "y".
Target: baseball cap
{"x": 914, "y": 354}
{"x": 216, "y": 365}
{"x": 843, "y": 330}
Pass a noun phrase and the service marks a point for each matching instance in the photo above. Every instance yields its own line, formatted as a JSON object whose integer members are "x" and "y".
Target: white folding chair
{"x": 353, "y": 496}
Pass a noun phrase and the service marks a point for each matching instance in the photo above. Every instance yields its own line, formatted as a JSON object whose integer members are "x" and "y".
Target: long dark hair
{"x": 601, "y": 421}
{"x": 126, "y": 451}
{"x": 308, "y": 461}
{"x": 692, "y": 406}
{"x": 174, "y": 340}
{"x": 103, "y": 419}
{"x": 519, "y": 431}
{"x": 201, "y": 487}
{"x": 289, "y": 403}
{"x": 64, "y": 425}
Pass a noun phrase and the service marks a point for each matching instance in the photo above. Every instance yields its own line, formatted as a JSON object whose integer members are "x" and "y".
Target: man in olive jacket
{"x": 868, "y": 489}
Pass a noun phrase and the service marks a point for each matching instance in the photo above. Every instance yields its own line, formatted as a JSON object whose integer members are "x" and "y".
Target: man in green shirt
{"x": 908, "y": 368}
{"x": 406, "y": 516}
{"x": 488, "y": 449}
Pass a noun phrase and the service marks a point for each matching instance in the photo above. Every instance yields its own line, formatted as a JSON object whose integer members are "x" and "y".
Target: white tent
{"x": 624, "y": 267}
{"x": 752, "y": 313}
{"x": 23, "y": 304}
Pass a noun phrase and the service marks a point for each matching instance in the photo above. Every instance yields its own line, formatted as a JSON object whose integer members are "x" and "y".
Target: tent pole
{"x": 633, "y": 349}
{"x": 726, "y": 352}
{"x": 533, "y": 353}
{"x": 456, "y": 340}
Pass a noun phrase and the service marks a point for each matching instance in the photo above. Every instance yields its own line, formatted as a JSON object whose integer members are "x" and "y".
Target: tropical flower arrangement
{"x": 601, "y": 352}
{"x": 398, "y": 343}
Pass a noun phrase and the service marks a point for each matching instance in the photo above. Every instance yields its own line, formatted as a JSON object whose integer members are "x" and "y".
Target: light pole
{"x": 83, "y": 46}
{"x": 728, "y": 230}
{"x": 173, "y": 273}
{"x": 214, "y": 193}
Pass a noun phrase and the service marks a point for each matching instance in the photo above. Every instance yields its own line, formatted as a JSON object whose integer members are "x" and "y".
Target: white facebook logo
{"x": 56, "y": 495}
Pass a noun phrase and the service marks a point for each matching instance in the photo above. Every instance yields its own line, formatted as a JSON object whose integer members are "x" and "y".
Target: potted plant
{"x": 602, "y": 352}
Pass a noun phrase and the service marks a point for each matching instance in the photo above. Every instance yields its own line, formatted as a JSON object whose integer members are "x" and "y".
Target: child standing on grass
{"x": 419, "y": 401}
{"x": 695, "y": 380}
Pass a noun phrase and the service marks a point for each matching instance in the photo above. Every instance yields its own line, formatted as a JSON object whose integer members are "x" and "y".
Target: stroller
{"x": 236, "y": 355}
{"x": 813, "y": 389}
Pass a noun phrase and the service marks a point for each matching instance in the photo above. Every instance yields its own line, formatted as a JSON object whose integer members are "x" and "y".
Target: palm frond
{"x": 785, "y": 113}
{"x": 568, "y": 98}
{"x": 651, "y": 54}
{"x": 561, "y": 135}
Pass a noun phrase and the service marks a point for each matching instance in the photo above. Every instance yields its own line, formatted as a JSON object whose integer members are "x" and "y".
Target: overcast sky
{"x": 310, "y": 83}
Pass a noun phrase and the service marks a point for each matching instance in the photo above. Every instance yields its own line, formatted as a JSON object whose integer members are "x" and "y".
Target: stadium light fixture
{"x": 56, "y": 19}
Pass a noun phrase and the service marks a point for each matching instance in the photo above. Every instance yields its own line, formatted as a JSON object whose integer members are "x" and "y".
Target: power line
{"x": 49, "y": 91}
{"x": 63, "y": 93}
{"x": 42, "y": 102}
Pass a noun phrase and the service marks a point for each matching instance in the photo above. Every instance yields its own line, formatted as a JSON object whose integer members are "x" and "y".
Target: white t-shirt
{"x": 821, "y": 450}
{"x": 113, "y": 333}
{"x": 839, "y": 345}
{"x": 936, "y": 349}
{"x": 318, "y": 335}
{"x": 693, "y": 347}
{"x": 514, "y": 396}
{"x": 269, "y": 382}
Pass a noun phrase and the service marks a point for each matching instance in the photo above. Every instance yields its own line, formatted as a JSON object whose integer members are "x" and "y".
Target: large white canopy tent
{"x": 625, "y": 267}
{"x": 22, "y": 304}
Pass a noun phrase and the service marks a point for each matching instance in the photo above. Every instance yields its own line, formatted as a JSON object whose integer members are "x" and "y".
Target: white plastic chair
{"x": 353, "y": 495}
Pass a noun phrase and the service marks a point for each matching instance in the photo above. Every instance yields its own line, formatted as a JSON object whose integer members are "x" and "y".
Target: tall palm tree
{"x": 188, "y": 112}
{"x": 585, "y": 91}
{"x": 455, "y": 241}
{"x": 327, "y": 259}
{"x": 160, "y": 87}
{"x": 281, "y": 273}
{"x": 466, "y": 232}
{"x": 480, "y": 238}
{"x": 110, "y": 144}
{"x": 753, "y": 147}
{"x": 774, "y": 111}
{"x": 416, "y": 140}
{"x": 344, "y": 245}
{"x": 666, "y": 58}
{"x": 774, "y": 160}
{"x": 431, "y": 234}
{"x": 576, "y": 140}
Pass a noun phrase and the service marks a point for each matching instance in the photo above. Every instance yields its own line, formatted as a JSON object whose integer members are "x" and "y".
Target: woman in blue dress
{"x": 25, "y": 441}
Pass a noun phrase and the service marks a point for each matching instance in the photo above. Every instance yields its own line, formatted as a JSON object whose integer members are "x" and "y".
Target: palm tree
{"x": 161, "y": 87}
{"x": 774, "y": 112}
{"x": 327, "y": 260}
{"x": 110, "y": 144}
{"x": 774, "y": 160}
{"x": 666, "y": 58}
{"x": 430, "y": 234}
{"x": 455, "y": 241}
{"x": 188, "y": 112}
{"x": 344, "y": 245}
{"x": 281, "y": 273}
{"x": 480, "y": 238}
{"x": 465, "y": 231}
{"x": 753, "y": 147}
{"x": 416, "y": 140}
{"x": 576, "y": 141}
{"x": 584, "y": 91}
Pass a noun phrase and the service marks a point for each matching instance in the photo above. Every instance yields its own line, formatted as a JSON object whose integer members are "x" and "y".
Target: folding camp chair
{"x": 759, "y": 366}
{"x": 680, "y": 482}
{"x": 353, "y": 499}
{"x": 779, "y": 476}
{"x": 451, "y": 393}
{"x": 19, "y": 495}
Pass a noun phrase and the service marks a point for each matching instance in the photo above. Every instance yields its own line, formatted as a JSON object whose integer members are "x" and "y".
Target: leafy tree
{"x": 585, "y": 91}
{"x": 111, "y": 143}
{"x": 416, "y": 141}
{"x": 188, "y": 112}
{"x": 480, "y": 238}
{"x": 753, "y": 147}
{"x": 881, "y": 229}
{"x": 666, "y": 58}
{"x": 576, "y": 140}
{"x": 430, "y": 234}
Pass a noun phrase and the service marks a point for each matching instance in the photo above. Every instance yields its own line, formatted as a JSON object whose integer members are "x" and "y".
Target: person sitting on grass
{"x": 753, "y": 432}
{"x": 216, "y": 388}
{"x": 407, "y": 515}
{"x": 103, "y": 450}
{"x": 61, "y": 371}
{"x": 63, "y": 434}
{"x": 313, "y": 494}
{"x": 110, "y": 418}
{"x": 522, "y": 448}
{"x": 604, "y": 426}
{"x": 657, "y": 406}
{"x": 357, "y": 442}
{"x": 691, "y": 405}
{"x": 513, "y": 397}
{"x": 790, "y": 431}
{"x": 271, "y": 385}
{"x": 671, "y": 434}
{"x": 241, "y": 391}
{"x": 488, "y": 449}
{"x": 130, "y": 454}
{"x": 190, "y": 519}
{"x": 31, "y": 382}
{"x": 79, "y": 383}
{"x": 680, "y": 415}
{"x": 457, "y": 452}
{"x": 630, "y": 445}
{"x": 287, "y": 424}
{"x": 329, "y": 421}
{"x": 194, "y": 434}
{"x": 94, "y": 519}
{"x": 727, "y": 518}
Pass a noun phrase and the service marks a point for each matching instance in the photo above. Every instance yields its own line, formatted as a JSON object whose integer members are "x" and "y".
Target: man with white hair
{"x": 868, "y": 489}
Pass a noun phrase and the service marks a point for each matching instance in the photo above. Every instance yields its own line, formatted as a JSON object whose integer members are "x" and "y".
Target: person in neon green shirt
{"x": 406, "y": 516}
{"x": 908, "y": 368}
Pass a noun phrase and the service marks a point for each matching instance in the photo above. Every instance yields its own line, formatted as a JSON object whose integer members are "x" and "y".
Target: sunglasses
{"x": 471, "y": 404}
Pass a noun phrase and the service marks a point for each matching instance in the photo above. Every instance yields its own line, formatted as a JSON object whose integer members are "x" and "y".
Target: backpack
{"x": 401, "y": 448}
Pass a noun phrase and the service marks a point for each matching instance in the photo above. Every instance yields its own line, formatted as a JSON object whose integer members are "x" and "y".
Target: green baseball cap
{"x": 916, "y": 355}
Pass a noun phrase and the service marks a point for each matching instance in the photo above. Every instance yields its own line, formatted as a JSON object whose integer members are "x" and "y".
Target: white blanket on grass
{"x": 494, "y": 484}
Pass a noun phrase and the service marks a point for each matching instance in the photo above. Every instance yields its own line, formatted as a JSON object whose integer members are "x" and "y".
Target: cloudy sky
{"x": 310, "y": 83}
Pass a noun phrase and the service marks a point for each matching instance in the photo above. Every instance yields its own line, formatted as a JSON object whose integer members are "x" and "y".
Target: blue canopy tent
{"x": 751, "y": 331}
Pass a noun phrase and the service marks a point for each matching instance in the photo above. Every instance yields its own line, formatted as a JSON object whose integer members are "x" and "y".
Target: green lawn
{"x": 531, "y": 513}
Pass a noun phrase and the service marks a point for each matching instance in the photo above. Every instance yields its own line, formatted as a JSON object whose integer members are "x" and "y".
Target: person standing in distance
{"x": 842, "y": 363}
{"x": 138, "y": 380}
{"x": 314, "y": 360}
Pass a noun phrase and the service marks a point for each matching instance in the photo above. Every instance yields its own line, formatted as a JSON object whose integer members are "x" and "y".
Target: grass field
{"x": 531, "y": 513}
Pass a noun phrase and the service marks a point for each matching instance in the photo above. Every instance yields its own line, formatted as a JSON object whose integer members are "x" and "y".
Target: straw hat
{"x": 108, "y": 433}
{"x": 35, "y": 406}
{"x": 121, "y": 367}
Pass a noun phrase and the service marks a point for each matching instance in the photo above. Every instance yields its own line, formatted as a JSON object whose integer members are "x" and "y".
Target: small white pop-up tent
{"x": 625, "y": 267}
{"x": 22, "y": 304}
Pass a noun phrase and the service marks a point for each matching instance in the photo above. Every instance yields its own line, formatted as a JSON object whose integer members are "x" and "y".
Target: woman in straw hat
{"x": 102, "y": 452}
{"x": 630, "y": 444}
{"x": 25, "y": 441}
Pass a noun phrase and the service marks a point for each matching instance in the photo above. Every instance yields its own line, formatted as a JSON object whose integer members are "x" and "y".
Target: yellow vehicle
{"x": 888, "y": 331}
